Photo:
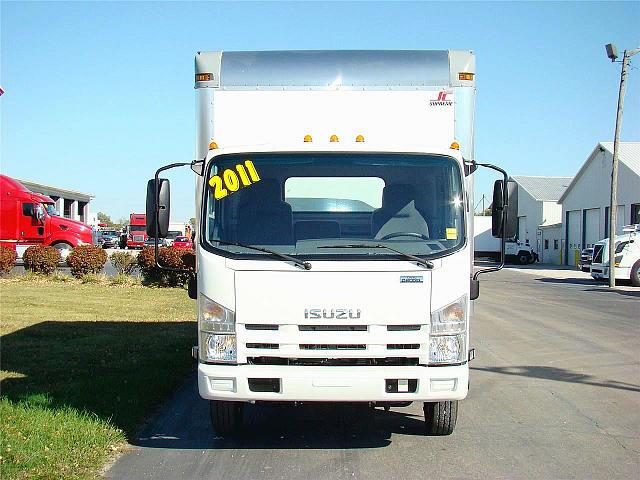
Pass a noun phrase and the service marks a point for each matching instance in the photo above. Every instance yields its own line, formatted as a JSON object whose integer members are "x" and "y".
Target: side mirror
{"x": 161, "y": 199}
{"x": 498, "y": 206}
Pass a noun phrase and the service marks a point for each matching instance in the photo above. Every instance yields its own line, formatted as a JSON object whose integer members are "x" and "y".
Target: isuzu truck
{"x": 335, "y": 237}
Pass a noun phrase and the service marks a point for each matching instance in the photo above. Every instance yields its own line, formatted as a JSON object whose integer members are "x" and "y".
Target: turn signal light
{"x": 213, "y": 146}
{"x": 466, "y": 76}
{"x": 307, "y": 138}
{"x": 334, "y": 138}
{"x": 203, "y": 77}
{"x": 455, "y": 146}
{"x": 359, "y": 139}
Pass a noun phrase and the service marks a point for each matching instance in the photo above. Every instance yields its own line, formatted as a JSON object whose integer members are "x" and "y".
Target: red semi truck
{"x": 28, "y": 218}
{"x": 137, "y": 230}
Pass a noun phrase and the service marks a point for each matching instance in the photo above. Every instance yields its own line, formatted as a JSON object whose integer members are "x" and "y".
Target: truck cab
{"x": 627, "y": 256}
{"x": 136, "y": 235}
{"x": 31, "y": 219}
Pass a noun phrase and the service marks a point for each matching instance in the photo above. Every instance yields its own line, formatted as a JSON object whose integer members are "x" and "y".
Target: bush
{"x": 41, "y": 259}
{"x": 124, "y": 262}
{"x": 7, "y": 259}
{"x": 169, "y": 257}
{"x": 86, "y": 259}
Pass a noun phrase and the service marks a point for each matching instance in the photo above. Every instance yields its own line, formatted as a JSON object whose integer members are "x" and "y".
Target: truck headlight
{"x": 217, "y": 332}
{"x": 447, "y": 341}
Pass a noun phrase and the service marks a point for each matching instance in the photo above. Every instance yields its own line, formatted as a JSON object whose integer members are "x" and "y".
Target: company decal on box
{"x": 234, "y": 179}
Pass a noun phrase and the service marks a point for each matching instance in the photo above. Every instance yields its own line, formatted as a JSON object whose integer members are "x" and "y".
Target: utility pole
{"x": 612, "y": 53}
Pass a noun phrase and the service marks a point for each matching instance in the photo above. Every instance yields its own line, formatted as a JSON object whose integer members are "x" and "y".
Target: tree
{"x": 192, "y": 222}
{"x": 104, "y": 218}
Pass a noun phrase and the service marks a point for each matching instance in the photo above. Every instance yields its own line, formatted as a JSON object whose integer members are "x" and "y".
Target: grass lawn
{"x": 82, "y": 365}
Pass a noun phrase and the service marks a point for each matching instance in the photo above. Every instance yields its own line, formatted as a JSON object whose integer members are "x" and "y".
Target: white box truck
{"x": 485, "y": 245}
{"x": 335, "y": 241}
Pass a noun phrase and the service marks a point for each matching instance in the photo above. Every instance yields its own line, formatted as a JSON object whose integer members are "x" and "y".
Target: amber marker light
{"x": 466, "y": 76}
{"x": 455, "y": 146}
{"x": 213, "y": 146}
{"x": 203, "y": 77}
{"x": 334, "y": 138}
{"x": 308, "y": 139}
{"x": 359, "y": 139}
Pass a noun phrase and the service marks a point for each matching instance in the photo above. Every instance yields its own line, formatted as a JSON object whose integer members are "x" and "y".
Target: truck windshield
{"x": 51, "y": 210}
{"x": 314, "y": 205}
{"x": 137, "y": 228}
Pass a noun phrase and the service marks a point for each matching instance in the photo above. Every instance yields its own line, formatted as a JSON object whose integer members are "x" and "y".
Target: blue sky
{"x": 98, "y": 95}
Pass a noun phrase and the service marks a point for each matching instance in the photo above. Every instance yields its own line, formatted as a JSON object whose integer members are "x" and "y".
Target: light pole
{"x": 612, "y": 53}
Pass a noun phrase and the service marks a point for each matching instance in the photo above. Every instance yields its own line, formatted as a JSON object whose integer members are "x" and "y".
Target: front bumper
{"x": 332, "y": 384}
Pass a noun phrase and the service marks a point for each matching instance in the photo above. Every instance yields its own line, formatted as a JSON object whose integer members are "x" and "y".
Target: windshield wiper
{"x": 420, "y": 261}
{"x": 284, "y": 256}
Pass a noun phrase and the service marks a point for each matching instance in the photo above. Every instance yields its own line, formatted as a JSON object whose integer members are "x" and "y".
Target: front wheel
{"x": 226, "y": 417}
{"x": 524, "y": 257}
{"x": 440, "y": 417}
{"x": 64, "y": 249}
{"x": 635, "y": 274}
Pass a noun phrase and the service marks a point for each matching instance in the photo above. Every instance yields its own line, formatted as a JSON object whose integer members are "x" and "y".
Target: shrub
{"x": 86, "y": 259}
{"x": 7, "y": 259}
{"x": 124, "y": 262}
{"x": 41, "y": 259}
{"x": 169, "y": 257}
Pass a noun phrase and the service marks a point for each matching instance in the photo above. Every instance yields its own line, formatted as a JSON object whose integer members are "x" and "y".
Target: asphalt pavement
{"x": 555, "y": 393}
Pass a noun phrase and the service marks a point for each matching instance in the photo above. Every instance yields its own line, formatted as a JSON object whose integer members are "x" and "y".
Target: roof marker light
{"x": 466, "y": 76}
{"x": 334, "y": 138}
{"x": 307, "y": 138}
{"x": 203, "y": 77}
{"x": 455, "y": 145}
{"x": 213, "y": 146}
{"x": 359, "y": 139}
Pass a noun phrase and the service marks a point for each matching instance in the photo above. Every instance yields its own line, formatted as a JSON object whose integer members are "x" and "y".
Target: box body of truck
{"x": 346, "y": 169}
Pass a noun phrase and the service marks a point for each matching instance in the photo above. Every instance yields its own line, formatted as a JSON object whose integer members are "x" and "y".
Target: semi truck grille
{"x": 138, "y": 238}
{"x": 597, "y": 253}
{"x": 335, "y": 362}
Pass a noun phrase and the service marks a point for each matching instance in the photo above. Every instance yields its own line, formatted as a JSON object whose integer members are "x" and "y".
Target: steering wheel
{"x": 405, "y": 234}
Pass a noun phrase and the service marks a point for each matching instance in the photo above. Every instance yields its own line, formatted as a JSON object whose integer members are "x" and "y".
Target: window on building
{"x": 546, "y": 244}
{"x": 635, "y": 213}
{"x": 555, "y": 244}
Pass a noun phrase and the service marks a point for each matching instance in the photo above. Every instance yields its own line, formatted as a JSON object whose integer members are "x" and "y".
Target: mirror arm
{"x": 505, "y": 203}
{"x": 156, "y": 213}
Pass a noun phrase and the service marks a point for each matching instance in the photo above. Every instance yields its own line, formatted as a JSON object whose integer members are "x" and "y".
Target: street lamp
{"x": 612, "y": 53}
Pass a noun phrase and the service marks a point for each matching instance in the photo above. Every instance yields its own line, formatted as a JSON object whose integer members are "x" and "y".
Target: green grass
{"x": 82, "y": 365}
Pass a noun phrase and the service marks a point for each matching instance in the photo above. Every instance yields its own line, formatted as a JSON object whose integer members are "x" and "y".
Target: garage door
{"x": 522, "y": 228}
{"x": 591, "y": 226}
{"x": 574, "y": 238}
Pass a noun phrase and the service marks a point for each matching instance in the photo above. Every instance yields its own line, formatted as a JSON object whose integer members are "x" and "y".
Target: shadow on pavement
{"x": 560, "y": 375}
{"x": 628, "y": 293}
{"x": 184, "y": 424}
{"x": 574, "y": 281}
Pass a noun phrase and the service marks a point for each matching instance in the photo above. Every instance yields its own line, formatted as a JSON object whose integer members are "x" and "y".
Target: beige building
{"x": 69, "y": 203}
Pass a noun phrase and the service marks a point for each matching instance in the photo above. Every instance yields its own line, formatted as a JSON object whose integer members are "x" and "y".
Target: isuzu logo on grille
{"x": 337, "y": 313}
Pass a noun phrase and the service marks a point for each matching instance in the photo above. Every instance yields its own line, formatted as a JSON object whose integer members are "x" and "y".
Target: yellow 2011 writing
{"x": 232, "y": 179}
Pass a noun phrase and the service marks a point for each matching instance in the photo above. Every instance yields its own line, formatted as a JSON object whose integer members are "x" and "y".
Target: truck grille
{"x": 138, "y": 238}
{"x": 326, "y": 344}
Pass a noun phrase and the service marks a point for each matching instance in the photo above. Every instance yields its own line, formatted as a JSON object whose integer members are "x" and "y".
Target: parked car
{"x": 586, "y": 257}
{"x": 171, "y": 236}
{"x": 109, "y": 240}
{"x": 182, "y": 242}
{"x": 150, "y": 242}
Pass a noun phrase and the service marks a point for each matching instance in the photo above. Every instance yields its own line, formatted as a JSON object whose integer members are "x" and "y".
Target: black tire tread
{"x": 440, "y": 417}
{"x": 635, "y": 280}
{"x": 226, "y": 417}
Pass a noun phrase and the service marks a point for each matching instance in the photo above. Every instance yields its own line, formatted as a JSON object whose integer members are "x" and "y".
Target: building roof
{"x": 629, "y": 155}
{"x": 547, "y": 189}
{"x": 56, "y": 191}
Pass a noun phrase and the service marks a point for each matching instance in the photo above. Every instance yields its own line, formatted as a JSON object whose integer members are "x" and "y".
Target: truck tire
{"x": 440, "y": 417}
{"x": 64, "y": 249}
{"x": 524, "y": 258}
{"x": 635, "y": 274}
{"x": 226, "y": 417}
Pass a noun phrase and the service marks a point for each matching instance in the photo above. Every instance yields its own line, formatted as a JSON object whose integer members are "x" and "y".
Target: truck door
{"x": 31, "y": 223}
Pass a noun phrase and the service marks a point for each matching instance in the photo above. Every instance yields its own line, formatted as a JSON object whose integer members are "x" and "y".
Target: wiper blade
{"x": 420, "y": 261}
{"x": 283, "y": 256}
